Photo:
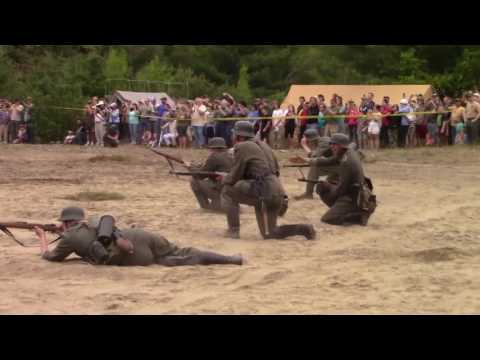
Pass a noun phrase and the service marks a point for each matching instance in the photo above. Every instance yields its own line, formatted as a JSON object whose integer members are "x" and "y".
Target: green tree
{"x": 242, "y": 91}
{"x": 116, "y": 64}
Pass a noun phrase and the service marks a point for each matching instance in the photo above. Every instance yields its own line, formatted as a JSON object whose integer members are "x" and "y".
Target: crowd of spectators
{"x": 414, "y": 121}
{"x": 16, "y": 121}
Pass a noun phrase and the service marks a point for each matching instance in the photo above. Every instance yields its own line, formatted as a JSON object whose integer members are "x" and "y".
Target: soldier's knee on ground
{"x": 332, "y": 219}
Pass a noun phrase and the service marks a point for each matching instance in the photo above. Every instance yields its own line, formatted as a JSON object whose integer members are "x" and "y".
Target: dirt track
{"x": 419, "y": 254}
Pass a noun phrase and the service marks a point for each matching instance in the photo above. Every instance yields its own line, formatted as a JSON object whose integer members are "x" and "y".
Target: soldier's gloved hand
{"x": 323, "y": 188}
{"x": 124, "y": 245}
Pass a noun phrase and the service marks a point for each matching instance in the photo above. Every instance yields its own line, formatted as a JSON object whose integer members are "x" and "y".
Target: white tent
{"x": 134, "y": 96}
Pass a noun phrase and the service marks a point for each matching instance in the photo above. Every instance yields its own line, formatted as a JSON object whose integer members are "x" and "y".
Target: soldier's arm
{"x": 324, "y": 161}
{"x": 60, "y": 253}
{"x": 238, "y": 169}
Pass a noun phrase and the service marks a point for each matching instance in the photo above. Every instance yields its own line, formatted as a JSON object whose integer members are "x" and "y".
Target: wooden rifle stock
{"x": 5, "y": 226}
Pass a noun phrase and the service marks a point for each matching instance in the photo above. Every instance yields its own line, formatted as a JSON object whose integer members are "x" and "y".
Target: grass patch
{"x": 95, "y": 196}
{"x": 104, "y": 158}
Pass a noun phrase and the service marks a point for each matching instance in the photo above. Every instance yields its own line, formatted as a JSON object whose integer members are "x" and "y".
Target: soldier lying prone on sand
{"x": 99, "y": 242}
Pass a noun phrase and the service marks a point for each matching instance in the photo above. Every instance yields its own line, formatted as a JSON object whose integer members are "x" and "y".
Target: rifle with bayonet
{"x": 6, "y": 226}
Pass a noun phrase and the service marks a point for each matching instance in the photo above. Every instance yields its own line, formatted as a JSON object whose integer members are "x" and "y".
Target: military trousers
{"x": 152, "y": 249}
{"x": 266, "y": 212}
{"x": 207, "y": 194}
{"x": 342, "y": 210}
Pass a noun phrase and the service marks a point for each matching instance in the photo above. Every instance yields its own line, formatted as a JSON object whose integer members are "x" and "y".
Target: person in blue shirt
{"x": 160, "y": 111}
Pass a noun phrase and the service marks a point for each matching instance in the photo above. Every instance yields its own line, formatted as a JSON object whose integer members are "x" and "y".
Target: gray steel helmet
{"x": 72, "y": 213}
{"x": 244, "y": 128}
{"x": 217, "y": 143}
{"x": 311, "y": 134}
{"x": 340, "y": 139}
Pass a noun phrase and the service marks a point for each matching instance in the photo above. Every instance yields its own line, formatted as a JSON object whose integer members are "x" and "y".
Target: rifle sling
{"x": 10, "y": 235}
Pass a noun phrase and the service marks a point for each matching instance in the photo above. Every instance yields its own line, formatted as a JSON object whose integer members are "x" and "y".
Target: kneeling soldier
{"x": 254, "y": 180}
{"x": 316, "y": 147}
{"x": 350, "y": 200}
{"x": 206, "y": 190}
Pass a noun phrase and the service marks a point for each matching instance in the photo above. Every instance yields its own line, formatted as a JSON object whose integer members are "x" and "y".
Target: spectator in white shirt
{"x": 278, "y": 126}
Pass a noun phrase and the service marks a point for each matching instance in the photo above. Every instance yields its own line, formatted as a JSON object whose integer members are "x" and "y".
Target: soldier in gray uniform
{"x": 254, "y": 180}
{"x": 343, "y": 197}
{"x": 316, "y": 147}
{"x": 101, "y": 243}
{"x": 207, "y": 190}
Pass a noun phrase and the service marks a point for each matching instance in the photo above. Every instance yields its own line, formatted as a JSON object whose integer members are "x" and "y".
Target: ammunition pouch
{"x": 366, "y": 200}
{"x": 260, "y": 188}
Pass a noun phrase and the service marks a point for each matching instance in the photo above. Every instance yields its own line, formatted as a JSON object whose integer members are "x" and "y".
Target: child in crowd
{"x": 374, "y": 130}
{"x": 169, "y": 133}
{"x": 22, "y": 135}
{"x": 460, "y": 130}
{"x": 70, "y": 138}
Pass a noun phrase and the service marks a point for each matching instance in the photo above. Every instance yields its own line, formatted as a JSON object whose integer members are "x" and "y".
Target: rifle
{"x": 197, "y": 173}
{"x": 169, "y": 157}
{"x": 296, "y": 166}
{"x": 4, "y": 227}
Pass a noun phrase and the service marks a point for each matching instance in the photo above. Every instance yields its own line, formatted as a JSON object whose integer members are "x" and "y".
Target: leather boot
{"x": 211, "y": 258}
{"x": 233, "y": 220}
{"x": 202, "y": 200}
{"x": 285, "y": 231}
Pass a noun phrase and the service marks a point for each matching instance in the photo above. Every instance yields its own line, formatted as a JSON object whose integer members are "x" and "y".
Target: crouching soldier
{"x": 315, "y": 147}
{"x": 350, "y": 199}
{"x": 99, "y": 242}
{"x": 254, "y": 180}
{"x": 208, "y": 190}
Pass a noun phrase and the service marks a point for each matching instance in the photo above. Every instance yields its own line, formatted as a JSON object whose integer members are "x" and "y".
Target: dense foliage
{"x": 66, "y": 75}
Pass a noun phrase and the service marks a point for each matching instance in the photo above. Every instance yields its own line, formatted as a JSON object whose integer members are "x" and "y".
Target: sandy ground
{"x": 419, "y": 255}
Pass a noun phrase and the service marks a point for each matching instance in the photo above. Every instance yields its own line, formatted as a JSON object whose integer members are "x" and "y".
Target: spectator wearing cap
{"x": 160, "y": 112}
{"x": 100, "y": 123}
{"x": 404, "y": 108}
{"x": 472, "y": 117}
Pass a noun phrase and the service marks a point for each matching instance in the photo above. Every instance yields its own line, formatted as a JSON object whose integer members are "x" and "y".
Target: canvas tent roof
{"x": 134, "y": 96}
{"x": 355, "y": 92}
